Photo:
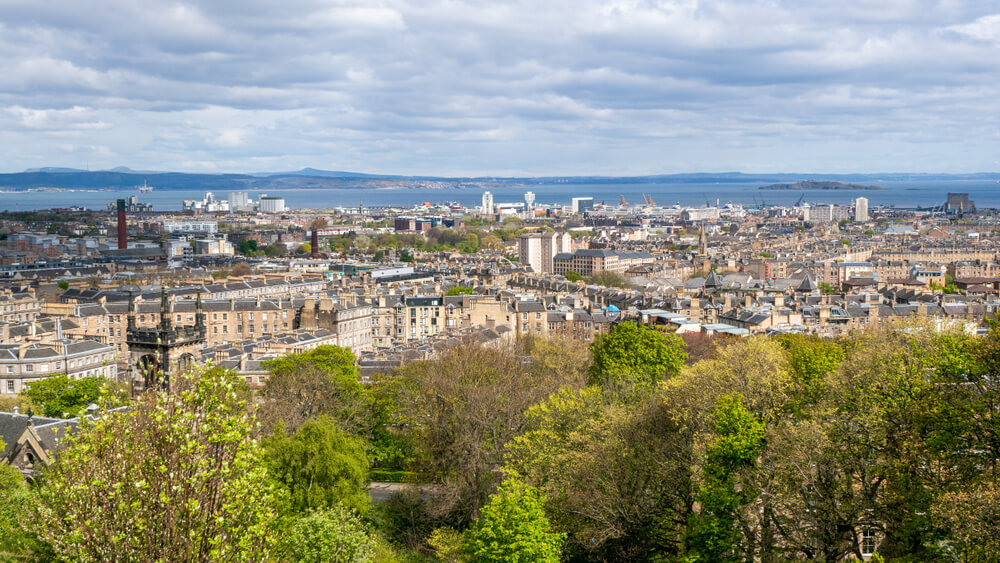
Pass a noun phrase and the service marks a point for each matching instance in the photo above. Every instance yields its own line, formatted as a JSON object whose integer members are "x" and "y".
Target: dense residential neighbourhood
{"x": 347, "y": 326}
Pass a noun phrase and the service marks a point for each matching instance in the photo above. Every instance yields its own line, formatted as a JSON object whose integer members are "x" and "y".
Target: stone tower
{"x": 162, "y": 351}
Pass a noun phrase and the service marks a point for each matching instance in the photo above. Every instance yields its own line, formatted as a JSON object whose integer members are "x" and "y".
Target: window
{"x": 10, "y": 385}
{"x": 250, "y": 316}
{"x": 263, "y": 316}
{"x": 868, "y": 541}
{"x": 29, "y": 367}
{"x": 10, "y": 369}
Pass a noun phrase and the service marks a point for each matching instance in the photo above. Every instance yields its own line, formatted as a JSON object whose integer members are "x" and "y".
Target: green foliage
{"x": 15, "y": 500}
{"x": 513, "y": 528}
{"x": 59, "y": 396}
{"x": 766, "y": 255}
{"x": 301, "y": 386}
{"x": 459, "y": 290}
{"x": 247, "y": 247}
{"x": 321, "y": 465}
{"x": 448, "y": 545}
{"x": 811, "y": 358}
{"x": 465, "y": 406}
{"x": 608, "y": 279}
{"x": 405, "y": 256}
{"x": 869, "y": 232}
{"x": 176, "y": 477}
{"x": 827, "y": 288}
{"x": 331, "y": 535}
{"x": 573, "y": 276}
{"x": 715, "y": 535}
{"x": 635, "y": 355}
{"x": 63, "y": 284}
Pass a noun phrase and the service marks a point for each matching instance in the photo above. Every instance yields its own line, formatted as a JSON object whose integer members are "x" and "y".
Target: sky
{"x": 502, "y": 87}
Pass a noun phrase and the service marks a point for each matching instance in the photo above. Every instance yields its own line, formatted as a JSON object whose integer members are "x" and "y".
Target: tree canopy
{"x": 59, "y": 396}
{"x": 321, "y": 465}
{"x": 175, "y": 477}
{"x": 513, "y": 528}
{"x": 635, "y": 354}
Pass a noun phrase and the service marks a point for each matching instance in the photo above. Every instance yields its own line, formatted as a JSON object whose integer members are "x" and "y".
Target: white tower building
{"x": 487, "y": 203}
{"x": 861, "y": 210}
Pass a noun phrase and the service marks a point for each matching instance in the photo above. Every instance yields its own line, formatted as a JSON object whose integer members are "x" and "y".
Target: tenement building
{"x": 587, "y": 262}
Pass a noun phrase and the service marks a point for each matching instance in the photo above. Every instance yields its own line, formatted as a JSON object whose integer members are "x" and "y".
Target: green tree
{"x": 176, "y": 477}
{"x": 635, "y": 355}
{"x": 573, "y": 276}
{"x": 715, "y": 535}
{"x": 301, "y": 386}
{"x": 405, "y": 256}
{"x": 827, "y": 288}
{"x": 331, "y": 535}
{"x": 16, "y": 542}
{"x": 63, "y": 284}
{"x": 247, "y": 247}
{"x": 608, "y": 279}
{"x": 61, "y": 397}
{"x": 465, "y": 406}
{"x": 459, "y": 290}
{"x": 618, "y": 476}
{"x": 321, "y": 465}
{"x": 513, "y": 528}
{"x": 811, "y": 359}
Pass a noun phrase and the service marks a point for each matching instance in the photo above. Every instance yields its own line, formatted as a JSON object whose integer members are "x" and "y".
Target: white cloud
{"x": 452, "y": 86}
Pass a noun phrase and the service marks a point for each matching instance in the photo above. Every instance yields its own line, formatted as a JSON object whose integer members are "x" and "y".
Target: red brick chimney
{"x": 122, "y": 226}
{"x": 314, "y": 245}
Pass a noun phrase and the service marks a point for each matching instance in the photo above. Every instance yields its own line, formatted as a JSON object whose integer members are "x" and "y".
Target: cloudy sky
{"x": 502, "y": 87}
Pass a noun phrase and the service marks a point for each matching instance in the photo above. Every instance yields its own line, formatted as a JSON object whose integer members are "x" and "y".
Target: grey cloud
{"x": 625, "y": 86}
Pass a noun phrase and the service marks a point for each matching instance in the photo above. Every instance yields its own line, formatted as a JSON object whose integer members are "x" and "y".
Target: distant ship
{"x": 144, "y": 189}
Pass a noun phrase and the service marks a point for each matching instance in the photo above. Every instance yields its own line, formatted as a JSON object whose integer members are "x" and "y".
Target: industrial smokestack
{"x": 314, "y": 246}
{"x": 122, "y": 226}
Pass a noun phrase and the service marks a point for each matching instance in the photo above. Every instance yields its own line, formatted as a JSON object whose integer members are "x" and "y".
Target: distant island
{"x": 819, "y": 185}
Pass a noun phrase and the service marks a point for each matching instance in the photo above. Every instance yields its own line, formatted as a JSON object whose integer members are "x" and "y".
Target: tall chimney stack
{"x": 315, "y": 244}
{"x": 122, "y": 226}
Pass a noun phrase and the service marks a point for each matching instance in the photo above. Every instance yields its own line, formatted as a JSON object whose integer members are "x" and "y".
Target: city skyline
{"x": 624, "y": 88}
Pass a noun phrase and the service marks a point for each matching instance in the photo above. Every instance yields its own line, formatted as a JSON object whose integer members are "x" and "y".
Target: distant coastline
{"x": 9, "y": 190}
{"x": 819, "y": 185}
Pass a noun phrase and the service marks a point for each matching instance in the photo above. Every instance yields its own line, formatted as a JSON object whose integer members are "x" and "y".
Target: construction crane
{"x": 622, "y": 203}
{"x": 799, "y": 202}
{"x": 649, "y": 200}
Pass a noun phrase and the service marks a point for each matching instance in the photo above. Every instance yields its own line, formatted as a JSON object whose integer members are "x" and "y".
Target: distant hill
{"x": 819, "y": 185}
{"x": 122, "y": 178}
